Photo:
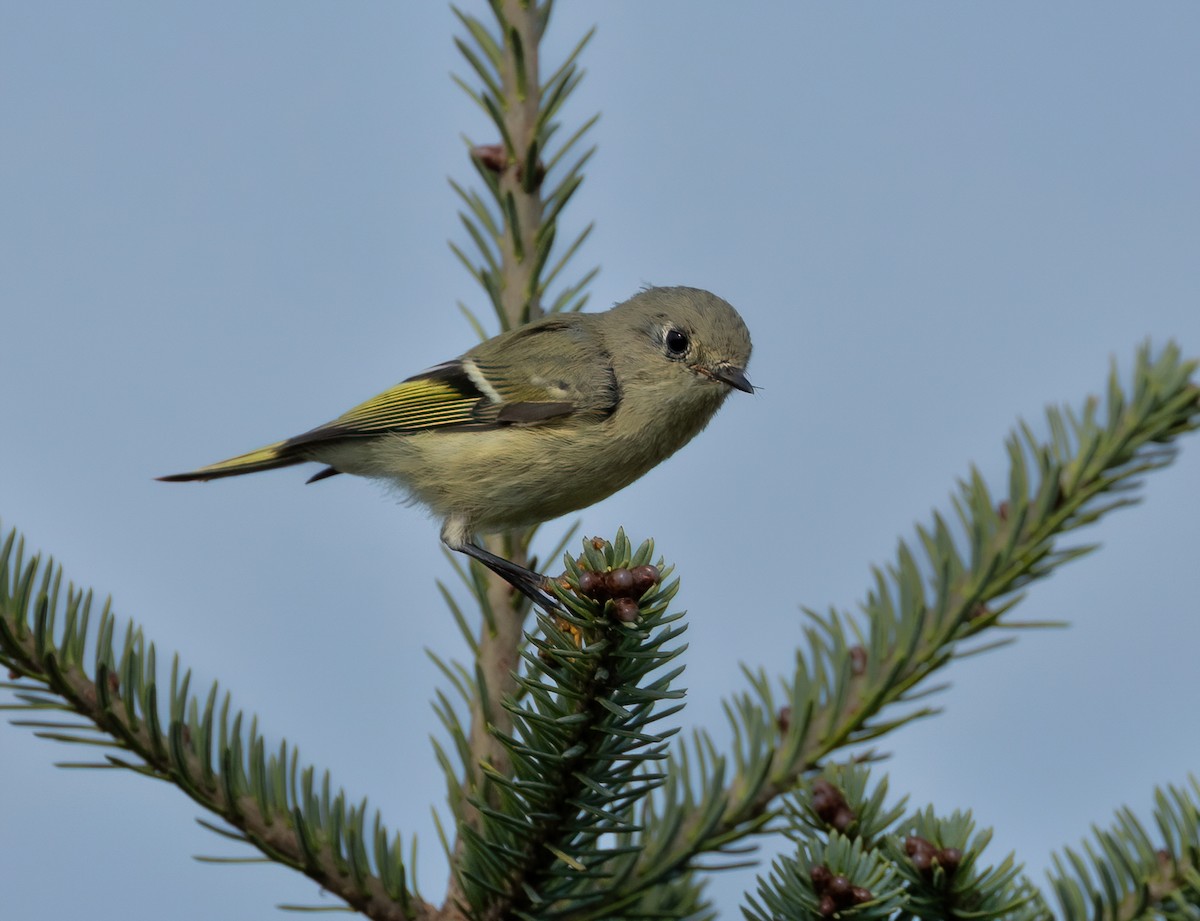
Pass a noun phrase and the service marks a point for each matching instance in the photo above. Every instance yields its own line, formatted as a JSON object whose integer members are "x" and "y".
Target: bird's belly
{"x": 503, "y": 478}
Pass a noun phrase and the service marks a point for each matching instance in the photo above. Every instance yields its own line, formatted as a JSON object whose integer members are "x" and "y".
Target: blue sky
{"x": 225, "y": 223}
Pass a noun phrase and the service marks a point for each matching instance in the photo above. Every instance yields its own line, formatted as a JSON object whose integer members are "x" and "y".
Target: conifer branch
{"x": 1124, "y": 874}
{"x": 201, "y": 747}
{"x": 512, "y": 226}
{"x": 566, "y": 801}
{"x": 924, "y": 609}
{"x": 858, "y": 857}
{"x": 583, "y": 749}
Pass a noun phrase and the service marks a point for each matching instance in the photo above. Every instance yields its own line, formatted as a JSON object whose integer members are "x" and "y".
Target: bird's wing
{"x": 546, "y": 372}
{"x": 490, "y": 386}
{"x": 441, "y": 397}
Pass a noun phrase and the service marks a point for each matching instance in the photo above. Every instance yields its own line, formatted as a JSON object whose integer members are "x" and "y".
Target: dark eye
{"x": 677, "y": 342}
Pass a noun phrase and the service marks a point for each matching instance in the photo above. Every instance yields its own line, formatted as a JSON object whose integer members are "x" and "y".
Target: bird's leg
{"x": 529, "y": 583}
{"x": 457, "y": 534}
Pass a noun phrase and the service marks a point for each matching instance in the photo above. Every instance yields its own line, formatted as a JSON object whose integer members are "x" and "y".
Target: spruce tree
{"x": 572, "y": 793}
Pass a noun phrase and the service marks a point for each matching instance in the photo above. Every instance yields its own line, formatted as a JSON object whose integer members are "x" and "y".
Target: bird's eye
{"x": 677, "y": 342}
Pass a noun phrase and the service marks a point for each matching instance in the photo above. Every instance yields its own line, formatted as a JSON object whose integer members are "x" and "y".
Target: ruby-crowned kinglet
{"x": 536, "y": 422}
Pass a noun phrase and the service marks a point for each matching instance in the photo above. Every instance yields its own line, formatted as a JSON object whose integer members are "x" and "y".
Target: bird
{"x": 536, "y": 422}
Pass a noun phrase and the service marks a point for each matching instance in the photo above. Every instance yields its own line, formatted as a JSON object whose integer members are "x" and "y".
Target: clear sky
{"x": 223, "y": 223}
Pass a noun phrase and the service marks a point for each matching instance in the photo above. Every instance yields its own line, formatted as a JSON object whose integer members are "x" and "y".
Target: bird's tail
{"x": 270, "y": 457}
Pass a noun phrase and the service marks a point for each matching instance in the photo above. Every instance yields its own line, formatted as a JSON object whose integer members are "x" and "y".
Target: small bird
{"x": 536, "y": 422}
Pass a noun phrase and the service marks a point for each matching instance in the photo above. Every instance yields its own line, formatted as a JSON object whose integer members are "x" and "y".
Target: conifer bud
{"x": 644, "y": 579}
{"x": 592, "y": 585}
{"x": 830, "y": 805}
{"x": 858, "y": 660}
{"x": 949, "y": 858}
{"x": 626, "y": 610}
{"x": 820, "y": 877}
{"x": 619, "y": 583}
{"x": 839, "y": 888}
{"x": 490, "y": 156}
{"x": 922, "y": 853}
{"x": 783, "y": 719}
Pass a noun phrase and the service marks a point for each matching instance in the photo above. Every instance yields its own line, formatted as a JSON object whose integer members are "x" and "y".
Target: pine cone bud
{"x": 592, "y": 585}
{"x": 820, "y": 877}
{"x": 922, "y": 853}
{"x": 949, "y": 858}
{"x": 830, "y": 805}
{"x": 626, "y": 610}
{"x": 491, "y": 157}
{"x": 843, "y": 819}
{"x": 644, "y": 579}
{"x": 858, "y": 660}
{"x": 619, "y": 583}
{"x": 839, "y": 888}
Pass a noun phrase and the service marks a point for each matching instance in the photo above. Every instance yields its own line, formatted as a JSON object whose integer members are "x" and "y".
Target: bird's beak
{"x": 734, "y": 377}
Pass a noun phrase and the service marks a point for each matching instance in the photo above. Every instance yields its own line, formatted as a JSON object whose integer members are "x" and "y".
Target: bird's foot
{"x": 533, "y": 585}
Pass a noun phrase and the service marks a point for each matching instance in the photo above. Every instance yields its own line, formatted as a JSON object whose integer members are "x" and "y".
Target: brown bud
{"x": 783, "y": 719}
{"x": 859, "y": 895}
{"x": 820, "y": 877}
{"x": 186, "y": 733}
{"x": 597, "y": 543}
{"x": 840, "y": 889}
{"x": 843, "y": 819}
{"x": 644, "y": 579}
{"x": 620, "y": 583}
{"x": 490, "y": 157}
{"x": 827, "y": 906}
{"x": 980, "y": 610}
{"x": 626, "y": 610}
{"x": 1002, "y": 510}
{"x": 922, "y": 853}
{"x": 592, "y": 584}
{"x": 858, "y": 660}
{"x": 12, "y": 675}
{"x": 829, "y": 804}
{"x": 949, "y": 858}
{"x": 114, "y": 682}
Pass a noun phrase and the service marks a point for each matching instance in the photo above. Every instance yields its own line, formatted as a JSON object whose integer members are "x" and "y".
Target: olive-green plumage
{"x": 538, "y": 421}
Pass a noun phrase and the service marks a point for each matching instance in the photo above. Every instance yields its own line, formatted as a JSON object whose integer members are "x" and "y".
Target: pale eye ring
{"x": 676, "y": 341}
